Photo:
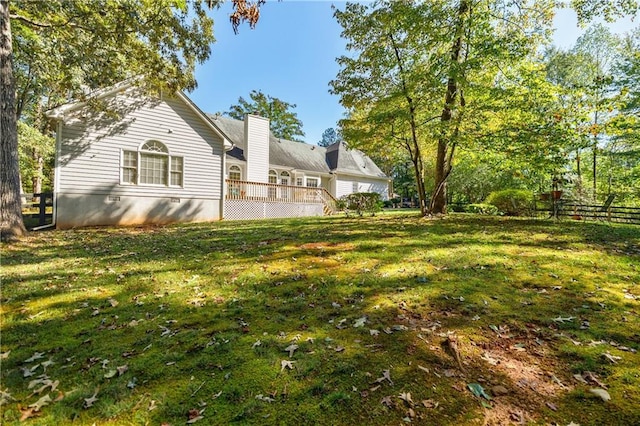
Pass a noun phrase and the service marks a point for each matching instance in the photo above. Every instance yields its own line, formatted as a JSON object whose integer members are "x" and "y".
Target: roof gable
{"x": 63, "y": 111}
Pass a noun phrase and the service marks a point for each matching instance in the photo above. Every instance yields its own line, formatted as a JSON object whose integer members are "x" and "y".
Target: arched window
{"x": 284, "y": 178}
{"x": 152, "y": 165}
{"x": 235, "y": 173}
{"x": 273, "y": 176}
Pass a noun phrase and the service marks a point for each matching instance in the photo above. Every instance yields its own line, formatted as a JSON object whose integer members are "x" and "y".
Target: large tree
{"x": 426, "y": 73}
{"x": 52, "y": 51}
{"x": 284, "y": 121}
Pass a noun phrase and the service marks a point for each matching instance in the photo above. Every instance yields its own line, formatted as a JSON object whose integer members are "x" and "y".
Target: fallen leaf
{"x": 579, "y": 378}
{"x": 286, "y": 364}
{"x": 387, "y": 401}
{"x": 5, "y": 355}
{"x": 122, "y": 369}
{"x": 109, "y": 374}
{"x": 591, "y": 377}
{"x": 360, "y": 322}
{"x": 339, "y": 349}
{"x": 499, "y": 390}
{"x": 45, "y": 400}
{"x": 132, "y": 383}
{"x": 406, "y": 397}
{"x": 562, "y": 320}
{"x": 194, "y": 415}
{"x": 611, "y": 358}
{"x": 35, "y": 356}
{"x": 113, "y": 302}
{"x": 28, "y": 372}
{"x": 264, "y": 398}
{"x": 256, "y": 344}
{"x": 373, "y": 332}
{"x": 28, "y": 413}
{"x": 601, "y": 393}
{"x": 47, "y": 384}
{"x": 552, "y": 406}
{"x": 386, "y": 375}
{"x": 88, "y": 402}
{"x": 291, "y": 349}
{"x": 152, "y": 405}
{"x": 429, "y": 403}
{"x": 5, "y": 397}
{"x": 478, "y": 390}
{"x": 48, "y": 363}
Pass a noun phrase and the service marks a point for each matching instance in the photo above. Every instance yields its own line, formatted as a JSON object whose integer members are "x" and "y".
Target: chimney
{"x": 256, "y": 152}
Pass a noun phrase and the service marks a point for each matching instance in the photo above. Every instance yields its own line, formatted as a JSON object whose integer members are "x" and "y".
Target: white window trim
{"x": 316, "y": 178}
{"x": 239, "y": 168}
{"x": 139, "y": 153}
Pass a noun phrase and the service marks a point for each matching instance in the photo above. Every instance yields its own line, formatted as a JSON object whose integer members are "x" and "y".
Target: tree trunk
{"x": 11, "y": 223}
{"x": 595, "y": 157}
{"x": 39, "y": 172}
{"x": 444, "y": 156}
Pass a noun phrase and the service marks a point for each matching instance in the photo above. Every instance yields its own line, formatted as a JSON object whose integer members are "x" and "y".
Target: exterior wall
{"x": 345, "y": 186}
{"x": 91, "y": 210}
{"x": 257, "y": 148}
{"x": 89, "y": 165}
{"x": 248, "y": 209}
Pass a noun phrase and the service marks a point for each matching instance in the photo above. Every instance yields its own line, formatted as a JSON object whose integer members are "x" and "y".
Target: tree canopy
{"x": 438, "y": 77}
{"x": 330, "y": 136}
{"x": 284, "y": 121}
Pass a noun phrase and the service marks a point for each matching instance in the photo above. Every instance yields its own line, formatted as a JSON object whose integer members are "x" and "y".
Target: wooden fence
{"x": 37, "y": 209}
{"x": 569, "y": 209}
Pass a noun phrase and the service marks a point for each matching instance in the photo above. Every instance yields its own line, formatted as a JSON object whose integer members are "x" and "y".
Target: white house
{"x": 160, "y": 160}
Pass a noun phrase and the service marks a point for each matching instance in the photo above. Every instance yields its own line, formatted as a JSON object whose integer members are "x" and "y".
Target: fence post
{"x": 42, "y": 210}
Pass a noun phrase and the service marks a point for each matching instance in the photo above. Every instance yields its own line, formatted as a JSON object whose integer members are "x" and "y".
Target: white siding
{"x": 257, "y": 148}
{"x": 90, "y": 155}
{"x": 345, "y": 186}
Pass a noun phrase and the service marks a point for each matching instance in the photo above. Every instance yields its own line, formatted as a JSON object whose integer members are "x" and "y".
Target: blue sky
{"x": 291, "y": 55}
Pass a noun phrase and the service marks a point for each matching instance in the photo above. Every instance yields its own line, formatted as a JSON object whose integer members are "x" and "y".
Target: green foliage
{"x": 488, "y": 209}
{"x": 330, "y": 136}
{"x": 402, "y": 67}
{"x": 360, "y": 203}
{"x": 36, "y": 153}
{"x": 283, "y": 121}
{"x": 610, "y": 10}
{"x": 63, "y": 49}
{"x": 512, "y": 202}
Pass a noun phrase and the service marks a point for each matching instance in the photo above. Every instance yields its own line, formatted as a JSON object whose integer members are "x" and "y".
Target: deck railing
{"x": 272, "y": 192}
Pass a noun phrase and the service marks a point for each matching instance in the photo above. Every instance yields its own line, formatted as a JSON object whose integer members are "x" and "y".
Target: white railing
{"x": 271, "y": 192}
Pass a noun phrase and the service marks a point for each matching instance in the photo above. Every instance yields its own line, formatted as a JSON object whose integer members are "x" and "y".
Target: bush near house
{"x": 511, "y": 202}
{"x": 360, "y": 203}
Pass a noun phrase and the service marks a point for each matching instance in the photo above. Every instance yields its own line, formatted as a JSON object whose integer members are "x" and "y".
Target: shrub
{"x": 360, "y": 202}
{"x": 512, "y": 202}
{"x": 488, "y": 209}
{"x": 457, "y": 207}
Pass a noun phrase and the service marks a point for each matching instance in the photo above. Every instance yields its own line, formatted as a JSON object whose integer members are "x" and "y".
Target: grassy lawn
{"x": 373, "y": 321}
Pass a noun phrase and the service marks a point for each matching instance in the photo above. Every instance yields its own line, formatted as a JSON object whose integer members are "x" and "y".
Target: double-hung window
{"x": 152, "y": 164}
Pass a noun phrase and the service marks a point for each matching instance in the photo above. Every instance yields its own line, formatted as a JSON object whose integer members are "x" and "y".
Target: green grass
{"x": 201, "y": 314}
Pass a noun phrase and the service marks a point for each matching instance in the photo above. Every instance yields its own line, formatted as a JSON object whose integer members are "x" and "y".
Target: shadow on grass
{"x": 184, "y": 308}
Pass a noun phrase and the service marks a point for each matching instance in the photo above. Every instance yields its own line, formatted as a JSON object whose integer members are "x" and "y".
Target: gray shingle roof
{"x": 302, "y": 156}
